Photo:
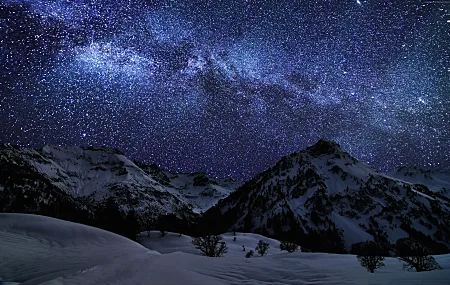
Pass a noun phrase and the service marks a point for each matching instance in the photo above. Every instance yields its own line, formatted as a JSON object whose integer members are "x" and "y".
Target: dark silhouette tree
{"x": 288, "y": 246}
{"x": 131, "y": 225}
{"x": 111, "y": 218}
{"x": 262, "y": 247}
{"x": 415, "y": 255}
{"x": 370, "y": 254}
{"x": 249, "y": 254}
{"x": 149, "y": 226}
{"x": 171, "y": 223}
{"x": 212, "y": 245}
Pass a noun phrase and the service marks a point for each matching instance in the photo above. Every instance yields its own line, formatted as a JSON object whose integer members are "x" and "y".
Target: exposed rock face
{"x": 78, "y": 184}
{"x": 320, "y": 197}
{"x": 324, "y": 198}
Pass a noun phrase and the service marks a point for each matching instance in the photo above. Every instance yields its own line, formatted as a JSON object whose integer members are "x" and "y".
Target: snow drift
{"x": 42, "y": 250}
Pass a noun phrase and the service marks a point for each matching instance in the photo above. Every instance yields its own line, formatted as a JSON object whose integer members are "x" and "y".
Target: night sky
{"x": 229, "y": 86}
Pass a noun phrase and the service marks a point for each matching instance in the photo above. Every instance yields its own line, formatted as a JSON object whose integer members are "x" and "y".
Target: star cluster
{"x": 229, "y": 86}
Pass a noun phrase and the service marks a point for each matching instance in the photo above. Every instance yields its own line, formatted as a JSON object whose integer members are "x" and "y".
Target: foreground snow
{"x": 42, "y": 250}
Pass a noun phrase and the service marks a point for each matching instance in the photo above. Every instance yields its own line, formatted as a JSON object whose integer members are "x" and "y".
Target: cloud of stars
{"x": 228, "y": 87}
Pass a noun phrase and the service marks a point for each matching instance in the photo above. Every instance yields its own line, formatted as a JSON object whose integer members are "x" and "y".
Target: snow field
{"x": 42, "y": 250}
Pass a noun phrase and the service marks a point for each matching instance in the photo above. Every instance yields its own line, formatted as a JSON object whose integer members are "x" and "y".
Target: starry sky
{"x": 228, "y": 87}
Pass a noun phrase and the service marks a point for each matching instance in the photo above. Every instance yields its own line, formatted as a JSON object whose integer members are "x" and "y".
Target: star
{"x": 228, "y": 87}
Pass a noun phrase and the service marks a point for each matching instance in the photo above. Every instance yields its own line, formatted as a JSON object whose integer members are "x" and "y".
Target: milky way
{"x": 228, "y": 87}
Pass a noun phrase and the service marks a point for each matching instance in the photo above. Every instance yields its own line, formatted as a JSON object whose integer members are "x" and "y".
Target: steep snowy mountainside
{"x": 90, "y": 171}
{"x": 85, "y": 184}
{"x": 325, "y": 199}
{"x": 437, "y": 181}
{"x": 90, "y": 175}
{"x": 199, "y": 189}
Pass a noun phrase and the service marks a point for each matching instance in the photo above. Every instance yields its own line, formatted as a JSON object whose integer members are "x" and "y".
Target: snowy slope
{"x": 36, "y": 249}
{"x": 42, "y": 250}
{"x": 89, "y": 171}
{"x": 435, "y": 180}
{"x": 197, "y": 189}
{"x": 74, "y": 182}
{"x": 173, "y": 242}
{"x": 321, "y": 196}
{"x": 200, "y": 190}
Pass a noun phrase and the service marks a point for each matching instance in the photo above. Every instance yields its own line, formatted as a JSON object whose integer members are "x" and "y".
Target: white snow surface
{"x": 435, "y": 180}
{"x": 42, "y": 250}
{"x": 84, "y": 172}
{"x": 201, "y": 197}
{"x": 94, "y": 171}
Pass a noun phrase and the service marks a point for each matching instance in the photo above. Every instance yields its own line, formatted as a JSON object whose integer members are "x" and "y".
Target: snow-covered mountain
{"x": 437, "y": 181}
{"x": 320, "y": 197}
{"x": 198, "y": 189}
{"x": 80, "y": 183}
{"x": 325, "y": 199}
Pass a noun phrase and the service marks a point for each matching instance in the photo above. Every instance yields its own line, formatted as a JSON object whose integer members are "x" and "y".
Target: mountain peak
{"x": 323, "y": 146}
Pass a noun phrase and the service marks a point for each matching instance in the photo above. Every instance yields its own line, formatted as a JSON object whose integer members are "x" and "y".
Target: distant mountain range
{"x": 320, "y": 197}
{"x": 78, "y": 183}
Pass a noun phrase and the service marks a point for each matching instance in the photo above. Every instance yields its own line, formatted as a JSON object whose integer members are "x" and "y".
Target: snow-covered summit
{"x": 91, "y": 171}
{"x": 327, "y": 199}
{"x": 324, "y": 147}
{"x": 197, "y": 188}
{"x": 321, "y": 196}
{"x": 62, "y": 181}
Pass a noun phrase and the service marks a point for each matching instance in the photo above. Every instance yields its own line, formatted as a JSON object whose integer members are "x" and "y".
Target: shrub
{"x": 262, "y": 247}
{"x": 249, "y": 254}
{"x": 212, "y": 246}
{"x": 288, "y": 246}
{"x": 415, "y": 255}
{"x": 305, "y": 249}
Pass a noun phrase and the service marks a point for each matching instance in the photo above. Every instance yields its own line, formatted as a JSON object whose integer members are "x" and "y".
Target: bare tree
{"x": 289, "y": 246}
{"x": 370, "y": 254}
{"x": 415, "y": 255}
{"x": 212, "y": 246}
{"x": 149, "y": 226}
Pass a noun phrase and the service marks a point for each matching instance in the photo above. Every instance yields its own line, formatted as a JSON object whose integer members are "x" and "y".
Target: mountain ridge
{"x": 84, "y": 183}
{"x": 320, "y": 197}
{"x": 323, "y": 193}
